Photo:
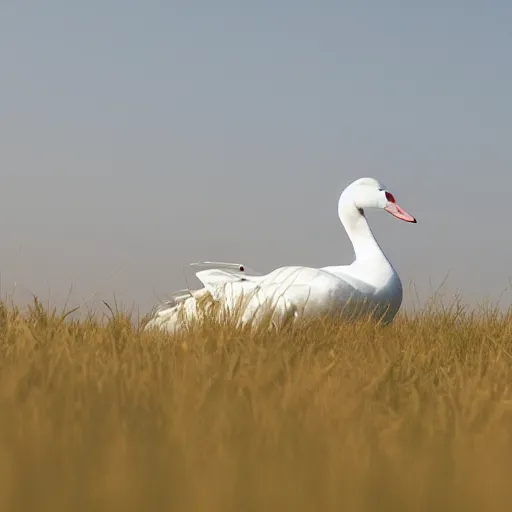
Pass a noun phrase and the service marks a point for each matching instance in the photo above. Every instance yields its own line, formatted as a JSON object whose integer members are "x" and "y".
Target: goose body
{"x": 370, "y": 285}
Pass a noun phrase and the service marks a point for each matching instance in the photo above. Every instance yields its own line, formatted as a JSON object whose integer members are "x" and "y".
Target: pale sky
{"x": 136, "y": 137}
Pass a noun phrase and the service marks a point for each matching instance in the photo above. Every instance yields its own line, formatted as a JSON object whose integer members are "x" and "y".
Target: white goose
{"x": 370, "y": 285}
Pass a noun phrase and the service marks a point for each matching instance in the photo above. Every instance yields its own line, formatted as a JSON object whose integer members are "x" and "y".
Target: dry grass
{"x": 102, "y": 416}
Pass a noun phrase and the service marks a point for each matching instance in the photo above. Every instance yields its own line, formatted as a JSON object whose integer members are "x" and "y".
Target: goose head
{"x": 369, "y": 193}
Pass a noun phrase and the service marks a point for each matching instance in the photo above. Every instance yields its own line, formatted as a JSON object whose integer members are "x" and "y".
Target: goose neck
{"x": 366, "y": 247}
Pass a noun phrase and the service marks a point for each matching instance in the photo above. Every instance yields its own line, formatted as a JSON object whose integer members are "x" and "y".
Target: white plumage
{"x": 369, "y": 285}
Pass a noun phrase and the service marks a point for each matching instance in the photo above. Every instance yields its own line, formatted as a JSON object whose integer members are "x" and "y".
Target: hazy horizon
{"x": 137, "y": 138}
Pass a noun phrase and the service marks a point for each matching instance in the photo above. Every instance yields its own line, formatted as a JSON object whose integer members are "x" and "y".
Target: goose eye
{"x": 390, "y": 197}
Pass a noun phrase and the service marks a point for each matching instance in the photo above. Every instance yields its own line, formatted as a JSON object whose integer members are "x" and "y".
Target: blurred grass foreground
{"x": 99, "y": 415}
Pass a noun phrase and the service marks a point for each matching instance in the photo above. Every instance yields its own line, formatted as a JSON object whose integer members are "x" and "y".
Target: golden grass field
{"x": 97, "y": 415}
